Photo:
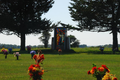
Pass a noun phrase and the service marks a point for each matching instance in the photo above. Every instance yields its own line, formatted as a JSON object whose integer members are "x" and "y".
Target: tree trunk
{"x": 22, "y": 41}
{"x": 46, "y": 41}
{"x": 115, "y": 40}
{"x": 46, "y": 44}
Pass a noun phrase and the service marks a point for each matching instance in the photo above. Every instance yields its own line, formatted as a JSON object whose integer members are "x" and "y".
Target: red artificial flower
{"x": 101, "y": 69}
{"x": 34, "y": 69}
{"x": 30, "y": 75}
{"x": 37, "y": 66}
{"x": 115, "y": 78}
{"x": 105, "y": 67}
{"x": 31, "y": 67}
{"x": 42, "y": 56}
{"x": 35, "y": 56}
{"x": 92, "y": 71}
{"x": 41, "y": 73}
{"x": 88, "y": 72}
{"x": 94, "y": 68}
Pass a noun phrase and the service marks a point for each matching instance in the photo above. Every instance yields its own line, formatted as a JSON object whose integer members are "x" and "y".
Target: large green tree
{"x": 97, "y": 16}
{"x": 22, "y": 17}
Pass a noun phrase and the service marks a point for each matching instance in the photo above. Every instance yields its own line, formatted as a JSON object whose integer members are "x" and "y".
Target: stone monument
{"x": 60, "y": 39}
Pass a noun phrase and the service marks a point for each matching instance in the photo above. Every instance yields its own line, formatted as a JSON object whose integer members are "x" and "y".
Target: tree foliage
{"x": 72, "y": 38}
{"x": 21, "y": 17}
{"x": 75, "y": 44}
{"x": 97, "y": 16}
{"x": 45, "y": 38}
{"x": 73, "y": 41}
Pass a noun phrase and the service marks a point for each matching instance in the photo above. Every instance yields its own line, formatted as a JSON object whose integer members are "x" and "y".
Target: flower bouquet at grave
{"x": 10, "y": 50}
{"x": 32, "y": 53}
{"x": 39, "y": 58}
{"x": 35, "y": 72}
{"x": 28, "y": 48}
{"x": 16, "y": 54}
{"x": 100, "y": 73}
{"x": 5, "y": 52}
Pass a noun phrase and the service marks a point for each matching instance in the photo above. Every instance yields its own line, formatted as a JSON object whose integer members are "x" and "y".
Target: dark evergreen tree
{"x": 22, "y": 17}
{"x": 97, "y": 16}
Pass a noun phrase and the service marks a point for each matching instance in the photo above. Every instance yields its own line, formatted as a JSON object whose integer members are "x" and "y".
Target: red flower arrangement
{"x": 38, "y": 58}
{"x": 35, "y": 71}
{"x": 100, "y": 72}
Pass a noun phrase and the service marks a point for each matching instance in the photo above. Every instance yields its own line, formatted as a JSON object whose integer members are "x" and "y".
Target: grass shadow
{"x": 98, "y": 52}
{"x": 71, "y": 51}
{"x": 50, "y": 51}
{"x": 45, "y": 51}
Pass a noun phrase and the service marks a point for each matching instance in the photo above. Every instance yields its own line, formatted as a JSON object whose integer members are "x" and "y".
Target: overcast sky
{"x": 60, "y": 12}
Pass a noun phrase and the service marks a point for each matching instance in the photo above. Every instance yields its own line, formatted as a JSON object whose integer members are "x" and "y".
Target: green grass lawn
{"x": 58, "y": 67}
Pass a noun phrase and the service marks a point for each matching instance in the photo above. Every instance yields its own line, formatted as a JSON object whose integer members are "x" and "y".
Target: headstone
{"x": 60, "y": 39}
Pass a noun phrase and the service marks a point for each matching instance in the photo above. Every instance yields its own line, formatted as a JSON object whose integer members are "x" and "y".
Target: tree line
{"x": 9, "y": 46}
{"x": 13, "y": 46}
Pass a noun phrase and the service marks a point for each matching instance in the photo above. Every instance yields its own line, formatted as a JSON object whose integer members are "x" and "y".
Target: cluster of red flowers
{"x": 101, "y": 72}
{"x": 35, "y": 71}
{"x": 38, "y": 58}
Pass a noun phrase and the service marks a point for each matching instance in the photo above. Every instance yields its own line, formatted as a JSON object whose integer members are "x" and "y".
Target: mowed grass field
{"x": 72, "y": 66}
